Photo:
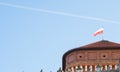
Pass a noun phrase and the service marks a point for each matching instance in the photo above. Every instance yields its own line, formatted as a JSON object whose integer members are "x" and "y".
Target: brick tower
{"x": 104, "y": 53}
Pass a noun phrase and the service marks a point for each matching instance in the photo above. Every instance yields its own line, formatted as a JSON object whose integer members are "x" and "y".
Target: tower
{"x": 102, "y": 53}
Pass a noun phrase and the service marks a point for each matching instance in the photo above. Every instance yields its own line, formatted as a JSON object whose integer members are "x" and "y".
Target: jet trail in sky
{"x": 58, "y": 13}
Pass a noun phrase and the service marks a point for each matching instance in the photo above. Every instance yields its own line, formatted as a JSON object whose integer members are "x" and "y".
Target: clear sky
{"x": 34, "y": 34}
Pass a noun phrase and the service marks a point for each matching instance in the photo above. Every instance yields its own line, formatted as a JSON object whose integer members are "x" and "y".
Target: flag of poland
{"x": 99, "y": 31}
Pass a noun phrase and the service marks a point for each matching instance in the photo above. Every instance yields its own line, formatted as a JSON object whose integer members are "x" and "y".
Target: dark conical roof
{"x": 102, "y": 44}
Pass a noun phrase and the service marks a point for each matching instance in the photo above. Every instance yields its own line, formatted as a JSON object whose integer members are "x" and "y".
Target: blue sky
{"x": 34, "y": 34}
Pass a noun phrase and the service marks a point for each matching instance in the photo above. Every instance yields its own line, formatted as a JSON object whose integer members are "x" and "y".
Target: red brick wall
{"x": 92, "y": 57}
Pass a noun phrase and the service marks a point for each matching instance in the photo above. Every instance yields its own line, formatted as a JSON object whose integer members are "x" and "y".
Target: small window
{"x": 80, "y": 56}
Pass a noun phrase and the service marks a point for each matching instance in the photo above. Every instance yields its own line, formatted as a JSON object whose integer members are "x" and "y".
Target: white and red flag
{"x": 99, "y": 31}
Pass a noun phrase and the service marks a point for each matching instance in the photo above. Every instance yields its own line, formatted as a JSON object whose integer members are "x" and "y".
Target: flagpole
{"x": 103, "y": 34}
{"x": 102, "y": 37}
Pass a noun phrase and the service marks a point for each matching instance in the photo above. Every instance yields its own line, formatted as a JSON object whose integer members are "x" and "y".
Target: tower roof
{"x": 102, "y": 44}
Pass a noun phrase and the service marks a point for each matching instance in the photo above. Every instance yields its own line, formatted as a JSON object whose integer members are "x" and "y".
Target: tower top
{"x": 102, "y": 44}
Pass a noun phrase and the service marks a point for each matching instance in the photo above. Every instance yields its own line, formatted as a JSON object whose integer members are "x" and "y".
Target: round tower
{"x": 102, "y": 53}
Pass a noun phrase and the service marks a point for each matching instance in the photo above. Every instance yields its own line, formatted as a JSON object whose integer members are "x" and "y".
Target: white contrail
{"x": 58, "y": 13}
